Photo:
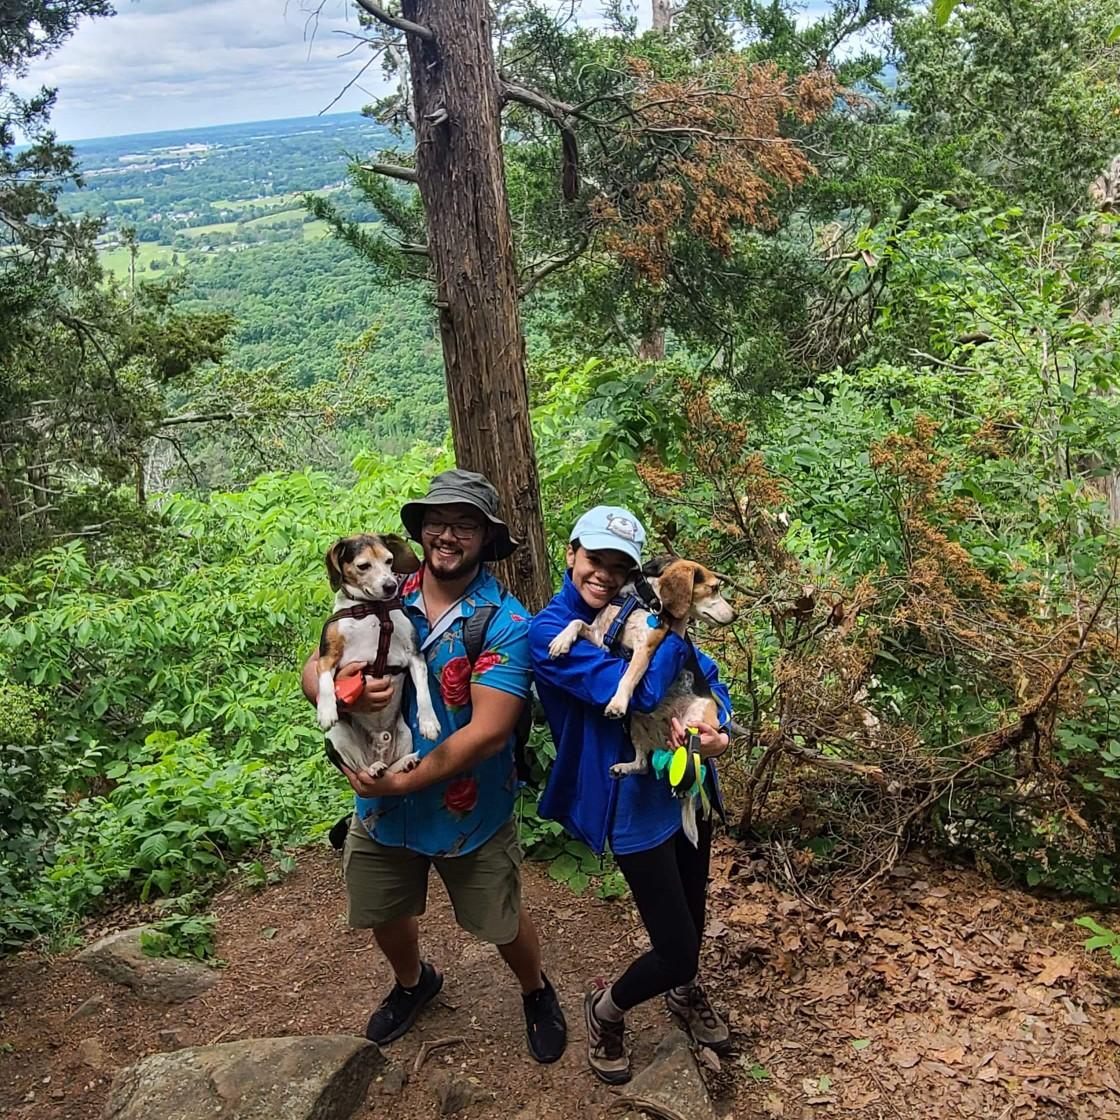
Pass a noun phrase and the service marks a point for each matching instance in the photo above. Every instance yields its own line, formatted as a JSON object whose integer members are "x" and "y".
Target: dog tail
{"x": 688, "y": 820}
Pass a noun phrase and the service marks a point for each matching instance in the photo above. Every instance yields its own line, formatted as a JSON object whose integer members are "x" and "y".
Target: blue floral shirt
{"x": 454, "y": 817}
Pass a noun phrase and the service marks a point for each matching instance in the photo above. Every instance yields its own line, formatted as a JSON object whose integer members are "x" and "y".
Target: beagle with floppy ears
{"x": 369, "y": 625}
{"x": 686, "y": 591}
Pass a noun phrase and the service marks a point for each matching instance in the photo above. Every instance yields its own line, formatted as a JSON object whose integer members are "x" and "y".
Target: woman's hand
{"x": 713, "y": 742}
{"x": 377, "y": 693}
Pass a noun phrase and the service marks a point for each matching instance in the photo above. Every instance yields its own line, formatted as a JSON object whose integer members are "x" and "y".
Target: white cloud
{"x": 164, "y": 64}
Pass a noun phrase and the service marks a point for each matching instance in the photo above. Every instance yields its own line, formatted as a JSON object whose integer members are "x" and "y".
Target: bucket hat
{"x": 458, "y": 487}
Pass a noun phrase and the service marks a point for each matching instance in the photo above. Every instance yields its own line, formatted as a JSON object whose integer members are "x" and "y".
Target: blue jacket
{"x": 634, "y": 813}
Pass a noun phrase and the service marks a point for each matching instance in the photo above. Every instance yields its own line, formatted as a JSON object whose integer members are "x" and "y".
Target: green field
{"x": 116, "y": 260}
{"x": 216, "y": 227}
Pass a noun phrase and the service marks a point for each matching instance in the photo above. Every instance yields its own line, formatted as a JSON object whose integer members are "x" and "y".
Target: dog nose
{"x": 389, "y": 586}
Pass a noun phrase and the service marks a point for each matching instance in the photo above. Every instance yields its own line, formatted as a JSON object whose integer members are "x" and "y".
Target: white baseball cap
{"x": 610, "y": 527}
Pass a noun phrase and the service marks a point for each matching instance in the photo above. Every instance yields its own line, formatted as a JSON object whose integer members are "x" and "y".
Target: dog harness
{"x": 642, "y": 596}
{"x": 382, "y": 608}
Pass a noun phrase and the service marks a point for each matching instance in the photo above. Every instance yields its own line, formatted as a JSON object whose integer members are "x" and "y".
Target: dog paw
{"x": 377, "y": 770}
{"x": 618, "y": 770}
{"x": 328, "y": 717}
{"x": 429, "y": 729}
{"x": 559, "y": 646}
{"x": 409, "y": 762}
{"x": 616, "y": 709}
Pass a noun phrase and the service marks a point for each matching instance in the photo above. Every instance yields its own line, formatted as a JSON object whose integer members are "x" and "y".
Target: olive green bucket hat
{"x": 458, "y": 487}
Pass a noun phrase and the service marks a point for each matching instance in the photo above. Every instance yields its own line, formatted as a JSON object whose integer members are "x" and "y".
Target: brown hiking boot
{"x": 606, "y": 1048}
{"x": 699, "y": 1018}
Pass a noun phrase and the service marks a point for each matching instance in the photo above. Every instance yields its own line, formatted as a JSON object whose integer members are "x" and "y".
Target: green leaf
{"x": 563, "y": 867}
{"x": 942, "y": 10}
{"x": 860, "y": 1043}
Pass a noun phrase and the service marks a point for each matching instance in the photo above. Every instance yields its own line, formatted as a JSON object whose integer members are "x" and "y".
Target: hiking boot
{"x": 398, "y": 1010}
{"x": 606, "y": 1048}
{"x": 691, "y": 1006}
{"x": 544, "y": 1021}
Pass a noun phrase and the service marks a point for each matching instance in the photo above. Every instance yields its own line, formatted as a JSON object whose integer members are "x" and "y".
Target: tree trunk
{"x": 462, "y": 182}
{"x": 662, "y": 15}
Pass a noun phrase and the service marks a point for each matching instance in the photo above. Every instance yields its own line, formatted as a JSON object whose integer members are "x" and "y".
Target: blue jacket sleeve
{"x": 719, "y": 690}
{"x": 592, "y": 674}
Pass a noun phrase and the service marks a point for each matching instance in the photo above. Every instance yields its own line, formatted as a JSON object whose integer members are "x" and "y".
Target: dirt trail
{"x": 943, "y": 996}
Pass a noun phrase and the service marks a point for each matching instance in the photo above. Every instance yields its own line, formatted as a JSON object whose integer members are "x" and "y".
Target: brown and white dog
{"x": 368, "y": 620}
{"x": 687, "y": 591}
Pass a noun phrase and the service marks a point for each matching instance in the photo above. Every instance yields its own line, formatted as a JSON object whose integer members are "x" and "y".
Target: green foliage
{"x": 173, "y": 684}
{"x": 1102, "y": 939}
{"x": 190, "y": 936}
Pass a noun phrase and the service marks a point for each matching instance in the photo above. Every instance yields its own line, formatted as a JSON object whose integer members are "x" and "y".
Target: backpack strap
{"x": 474, "y": 631}
{"x": 474, "y": 642}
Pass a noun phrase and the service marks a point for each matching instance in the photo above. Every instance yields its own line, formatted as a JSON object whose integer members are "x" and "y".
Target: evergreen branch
{"x": 550, "y": 266}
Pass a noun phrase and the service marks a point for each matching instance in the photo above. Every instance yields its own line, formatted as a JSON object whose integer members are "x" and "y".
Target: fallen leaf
{"x": 772, "y": 1105}
{"x": 860, "y": 1043}
{"x": 709, "y": 1058}
{"x": 1055, "y": 970}
{"x": 890, "y": 936}
{"x": 952, "y": 1054}
{"x": 905, "y": 1059}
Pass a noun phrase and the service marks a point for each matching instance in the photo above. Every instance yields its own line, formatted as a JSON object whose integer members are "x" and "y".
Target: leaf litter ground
{"x": 939, "y": 995}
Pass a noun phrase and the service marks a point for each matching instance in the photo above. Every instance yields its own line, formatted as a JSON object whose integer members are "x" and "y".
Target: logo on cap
{"x": 622, "y": 527}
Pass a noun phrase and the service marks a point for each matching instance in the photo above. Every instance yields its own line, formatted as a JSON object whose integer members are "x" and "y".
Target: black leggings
{"x": 670, "y": 888}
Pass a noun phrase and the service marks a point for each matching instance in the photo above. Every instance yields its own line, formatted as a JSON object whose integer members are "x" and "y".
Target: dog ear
{"x": 674, "y": 588}
{"x": 334, "y": 563}
{"x": 405, "y": 561}
{"x": 657, "y": 565}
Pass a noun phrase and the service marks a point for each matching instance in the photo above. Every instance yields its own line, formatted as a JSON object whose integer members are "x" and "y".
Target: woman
{"x": 638, "y": 815}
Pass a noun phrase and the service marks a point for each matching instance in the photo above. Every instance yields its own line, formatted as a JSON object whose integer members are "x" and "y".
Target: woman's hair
{"x": 574, "y": 544}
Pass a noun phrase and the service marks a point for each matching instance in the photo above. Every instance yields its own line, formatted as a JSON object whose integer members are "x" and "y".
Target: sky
{"x": 167, "y": 64}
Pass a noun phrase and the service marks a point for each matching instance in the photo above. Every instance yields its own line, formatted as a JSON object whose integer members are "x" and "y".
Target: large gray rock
{"x": 318, "y": 1077}
{"x": 673, "y": 1079}
{"x": 118, "y": 957}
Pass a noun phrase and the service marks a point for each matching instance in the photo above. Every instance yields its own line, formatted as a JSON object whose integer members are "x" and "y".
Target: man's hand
{"x": 713, "y": 742}
{"x": 377, "y": 693}
{"x": 389, "y": 785}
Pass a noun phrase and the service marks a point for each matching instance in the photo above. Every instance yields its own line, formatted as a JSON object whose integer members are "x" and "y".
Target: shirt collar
{"x": 484, "y": 588}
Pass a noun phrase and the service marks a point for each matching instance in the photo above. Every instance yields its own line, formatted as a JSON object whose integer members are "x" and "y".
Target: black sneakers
{"x": 544, "y": 1022}
{"x": 400, "y": 1007}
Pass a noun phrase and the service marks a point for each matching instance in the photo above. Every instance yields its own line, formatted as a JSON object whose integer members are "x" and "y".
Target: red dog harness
{"x": 352, "y": 689}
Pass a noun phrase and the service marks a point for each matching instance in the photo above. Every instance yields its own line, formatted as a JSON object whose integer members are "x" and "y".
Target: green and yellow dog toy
{"x": 685, "y": 770}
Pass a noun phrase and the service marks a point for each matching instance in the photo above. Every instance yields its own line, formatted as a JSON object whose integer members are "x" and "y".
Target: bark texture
{"x": 462, "y": 182}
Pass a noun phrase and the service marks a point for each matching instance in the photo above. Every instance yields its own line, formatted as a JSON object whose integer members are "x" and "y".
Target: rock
{"x": 392, "y": 1082}
{"x": 673, "y": 1079}
{"x": 455, "y": 1092}
{"x": 91, "y": 1007}
{"x": 118, "y": 957}
{"x": 316, "y": 1077}
{"x": 91, "y": 1053}
{"x": 172, "y": 1038}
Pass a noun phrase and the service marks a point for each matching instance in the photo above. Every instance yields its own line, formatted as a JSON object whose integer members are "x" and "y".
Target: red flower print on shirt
{"x": 411, "y": 584}
{"x": 486, "y": 661}
{"x": 455, "y": 682}
{"x": 461, "y": 796}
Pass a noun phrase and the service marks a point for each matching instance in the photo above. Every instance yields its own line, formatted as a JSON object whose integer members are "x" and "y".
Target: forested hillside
{"x": 849, "y": 340}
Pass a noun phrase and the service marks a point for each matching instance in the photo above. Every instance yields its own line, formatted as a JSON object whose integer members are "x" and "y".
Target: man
{"x": 455, "y": 809}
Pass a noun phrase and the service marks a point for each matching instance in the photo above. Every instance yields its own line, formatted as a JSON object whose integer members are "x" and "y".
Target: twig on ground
{"x": 429, "y": 1048}
{"x": 644, "y": 1104}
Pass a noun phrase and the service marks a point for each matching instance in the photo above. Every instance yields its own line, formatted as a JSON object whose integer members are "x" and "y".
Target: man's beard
{"x": 461, "y": 566}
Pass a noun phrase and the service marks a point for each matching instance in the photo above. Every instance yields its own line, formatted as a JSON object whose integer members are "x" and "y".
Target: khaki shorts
{"x": 385, "y": 883}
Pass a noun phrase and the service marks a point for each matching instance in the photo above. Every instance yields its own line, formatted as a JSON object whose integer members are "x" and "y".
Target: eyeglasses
{"x": 460, "y": 530}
